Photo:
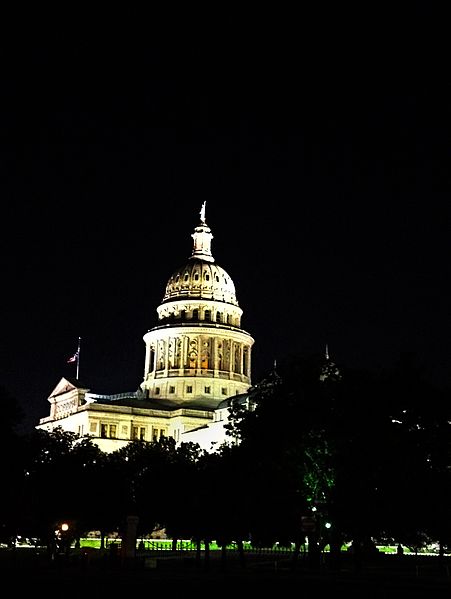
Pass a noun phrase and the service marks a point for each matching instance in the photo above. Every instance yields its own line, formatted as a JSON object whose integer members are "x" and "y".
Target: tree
{"x": 289, "y": 459}
{"x": 59, "y": 484}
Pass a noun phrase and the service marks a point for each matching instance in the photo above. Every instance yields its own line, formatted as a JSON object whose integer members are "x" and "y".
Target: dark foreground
{"x": 388, "y": 576}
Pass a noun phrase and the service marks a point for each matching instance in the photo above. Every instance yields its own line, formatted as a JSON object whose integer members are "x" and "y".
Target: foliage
{"x": 368, "y": 452}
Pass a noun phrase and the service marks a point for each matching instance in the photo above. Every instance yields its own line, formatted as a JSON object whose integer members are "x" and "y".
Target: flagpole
{"x": 78, "y": 357}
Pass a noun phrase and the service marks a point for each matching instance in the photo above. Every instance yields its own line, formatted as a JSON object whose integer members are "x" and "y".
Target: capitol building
{"x": 197, "y": 362}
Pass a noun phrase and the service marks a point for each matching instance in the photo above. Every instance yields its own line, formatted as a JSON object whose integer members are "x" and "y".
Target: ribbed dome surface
{"x": 201, "y": 279}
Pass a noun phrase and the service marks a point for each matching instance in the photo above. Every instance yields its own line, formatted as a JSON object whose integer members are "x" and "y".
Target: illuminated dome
{"x": 201, "y": 277}
{"x": 198, "y": 354}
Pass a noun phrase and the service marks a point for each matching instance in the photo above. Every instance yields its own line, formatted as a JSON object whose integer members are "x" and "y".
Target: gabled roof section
{"x": 65, "y": 385}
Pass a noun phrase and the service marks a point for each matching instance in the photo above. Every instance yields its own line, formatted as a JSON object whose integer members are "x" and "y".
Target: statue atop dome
{"x": 202, "y": 214}
{"x": 202, "y": 239}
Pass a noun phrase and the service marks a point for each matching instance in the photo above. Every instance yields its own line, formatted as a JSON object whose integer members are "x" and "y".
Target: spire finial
{"x": 202, "y": 213}
{"x": 327, "y": 351}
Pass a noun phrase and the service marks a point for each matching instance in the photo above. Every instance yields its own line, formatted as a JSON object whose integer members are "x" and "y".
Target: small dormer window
{"x": 196, "y": 276}
{"x": 207, "y": 277}
{"x": 186, "y": 276}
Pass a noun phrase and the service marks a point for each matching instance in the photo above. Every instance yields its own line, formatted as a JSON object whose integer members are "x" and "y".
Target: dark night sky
{"x": 326, "y": 177}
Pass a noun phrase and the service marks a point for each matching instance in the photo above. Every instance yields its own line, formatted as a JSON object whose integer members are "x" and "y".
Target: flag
{"x": 73, "y": 358}
{"x": 76, "y": 357}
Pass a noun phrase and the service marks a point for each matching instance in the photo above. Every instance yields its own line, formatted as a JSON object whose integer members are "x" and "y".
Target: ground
{"x": 389, "y": 576}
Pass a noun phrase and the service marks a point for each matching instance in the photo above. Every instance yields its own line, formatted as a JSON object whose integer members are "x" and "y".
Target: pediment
{"x": 65, "y": 386}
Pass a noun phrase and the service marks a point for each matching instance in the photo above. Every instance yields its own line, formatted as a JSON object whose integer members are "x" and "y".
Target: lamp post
{"x": 61, "y": 539}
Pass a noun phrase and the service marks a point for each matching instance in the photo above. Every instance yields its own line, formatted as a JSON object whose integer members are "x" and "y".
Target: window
{"x": 204, "y": 363}
{"x": 207, "y": 389}
{"x": 195, "y": 314}
{"x": 157, "y": 433}
{"x": 171, "y": 389}
{"x": 189, "y": 388}
{"x": 208, "y": 315}
{"x": 93, "y": 427}
{"x": 157, "y": 390}
{"x": 108, "y": 431}
{"x": 224, "y": 391}
{"x": 138, "y": 433}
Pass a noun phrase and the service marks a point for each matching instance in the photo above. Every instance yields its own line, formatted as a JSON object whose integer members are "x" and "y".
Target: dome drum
{"x": 196, "y": 311}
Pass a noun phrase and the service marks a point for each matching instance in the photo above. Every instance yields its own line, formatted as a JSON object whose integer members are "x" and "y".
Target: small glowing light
{"x": 328, "y": 525}
{"x": 313, "y": 509}
{"x": 64, "y": 526}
